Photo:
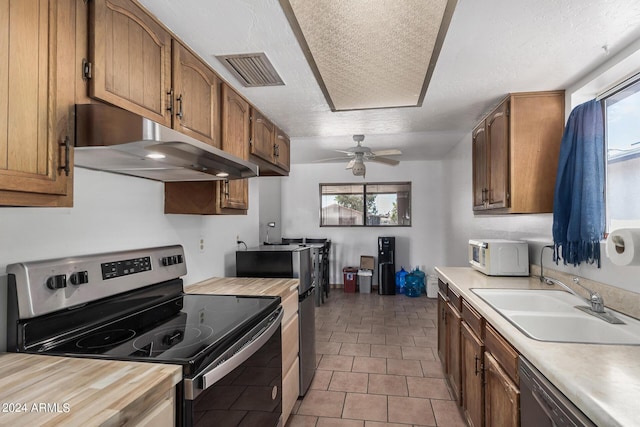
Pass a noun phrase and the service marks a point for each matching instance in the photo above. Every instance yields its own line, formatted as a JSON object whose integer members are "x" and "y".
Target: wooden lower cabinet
{"x": 442, "y": 331}
{"x": 480, "y": 366}
{"x": 502, "y": 395}
{"x": 472, "y": 350}
{"x": 161, "y": 414}
{"x": 454, "y": 372}
{"x": 290, "y": 390}
{"x": 290, "y": 360}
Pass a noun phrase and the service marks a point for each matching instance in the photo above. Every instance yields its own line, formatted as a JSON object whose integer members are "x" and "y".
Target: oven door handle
{"x": 233, "y": 358}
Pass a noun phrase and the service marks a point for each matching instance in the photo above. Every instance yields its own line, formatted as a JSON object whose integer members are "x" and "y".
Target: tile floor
{"x": 377, "y": 365}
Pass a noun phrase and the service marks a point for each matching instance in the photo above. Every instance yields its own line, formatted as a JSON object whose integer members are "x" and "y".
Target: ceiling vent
{"x": 252, "y": 69}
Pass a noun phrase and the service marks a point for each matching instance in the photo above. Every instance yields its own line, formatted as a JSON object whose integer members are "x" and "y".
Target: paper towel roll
{"x": 623, "y": 246}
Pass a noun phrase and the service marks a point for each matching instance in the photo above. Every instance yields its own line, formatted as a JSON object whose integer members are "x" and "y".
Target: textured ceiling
{"x": 492, "y": 47}
{"x": 369, "y": 54}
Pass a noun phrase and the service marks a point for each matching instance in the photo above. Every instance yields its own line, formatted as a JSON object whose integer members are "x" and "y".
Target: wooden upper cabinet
{"x": 515, "y": 171}
{"x": 36, "y": 102}
{"x": 269, "y": 146}
{"x": 498, "y": 154}
{"x": 479, "y": 166}
{"x": 235, "y": 140}
{"x": 130, "y": 55}
{"x": 196, "y": 90}
{"x": 262, "y": 142}
{"x": 282, "y": 150}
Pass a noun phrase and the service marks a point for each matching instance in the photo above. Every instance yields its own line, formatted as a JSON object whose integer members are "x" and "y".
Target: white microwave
{"x": 495, "y": 257}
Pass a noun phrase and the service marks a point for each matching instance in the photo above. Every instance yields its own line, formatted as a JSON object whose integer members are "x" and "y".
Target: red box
{"x": 350, "y": 275}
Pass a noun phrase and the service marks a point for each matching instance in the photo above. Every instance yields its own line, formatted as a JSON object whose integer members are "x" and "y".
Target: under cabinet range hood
{"x": 114, "y": 140}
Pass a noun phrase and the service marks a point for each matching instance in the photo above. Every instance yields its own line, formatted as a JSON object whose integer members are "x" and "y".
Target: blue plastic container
{"x": 423, "y": 279}
{"x": 400, "y": 280}
{"x": 412, "y": 285}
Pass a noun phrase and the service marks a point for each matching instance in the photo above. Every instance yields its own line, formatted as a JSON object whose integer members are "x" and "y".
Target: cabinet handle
{"x": 226, "y": 188}
{"x": 170, "y": 103}
{"x": 67, "y": 153}
{"x": 476, "y": 364}
{"x": 179, "y": 113}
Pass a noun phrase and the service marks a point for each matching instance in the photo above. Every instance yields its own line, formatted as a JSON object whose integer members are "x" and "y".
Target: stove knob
{"x": 79, "y": 278}
{"x": 58, "y": 281}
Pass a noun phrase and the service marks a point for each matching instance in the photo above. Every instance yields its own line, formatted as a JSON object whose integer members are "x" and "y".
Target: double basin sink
{"x": 552, "y": 315}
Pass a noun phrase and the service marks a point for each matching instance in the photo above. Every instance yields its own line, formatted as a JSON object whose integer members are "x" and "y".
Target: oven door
{"x": 244, "y": 385}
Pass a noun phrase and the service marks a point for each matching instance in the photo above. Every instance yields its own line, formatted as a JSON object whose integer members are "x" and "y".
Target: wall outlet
{"x": 201, "y": 244}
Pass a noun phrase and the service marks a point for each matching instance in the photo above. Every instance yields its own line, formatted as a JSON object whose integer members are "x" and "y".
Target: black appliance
{"x": 386, "y": 265}
{"x": 542, "y": 404}
{"x": 288, "y": 261}
{"x": 131, "y": 306}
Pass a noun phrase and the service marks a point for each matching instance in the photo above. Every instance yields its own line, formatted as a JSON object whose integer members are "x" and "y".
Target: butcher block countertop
{"x": 244, "y": 286}
{"x": 603, "y": 381}
{"x": 51, "y": 391}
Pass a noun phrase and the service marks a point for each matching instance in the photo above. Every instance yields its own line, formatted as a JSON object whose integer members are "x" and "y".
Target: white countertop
{"x": 603, "y": 381}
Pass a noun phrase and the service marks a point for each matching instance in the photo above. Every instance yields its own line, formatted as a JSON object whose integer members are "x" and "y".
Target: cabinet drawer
{"x": 503, "y": 352}
{"x": 454, "y": 298}
{"x": 290, "y": 390}
{"x": 290, "y": 306}
{"x": 473, "y": 319}
{"x": 290, "y": 343}
{"x": 442, "y": 287}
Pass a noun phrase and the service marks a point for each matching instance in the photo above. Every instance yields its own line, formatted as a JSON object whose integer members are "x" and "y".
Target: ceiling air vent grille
{"x": 252, "y": 69}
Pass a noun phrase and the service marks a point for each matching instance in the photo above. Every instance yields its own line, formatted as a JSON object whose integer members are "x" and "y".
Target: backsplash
{"x": 618, "y": 299}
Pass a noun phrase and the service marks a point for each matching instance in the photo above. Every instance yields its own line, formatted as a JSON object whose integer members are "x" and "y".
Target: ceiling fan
{"x": 358, "y": 154}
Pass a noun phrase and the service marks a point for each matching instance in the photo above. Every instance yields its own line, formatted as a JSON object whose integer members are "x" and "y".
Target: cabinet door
{"x": 131, "y": 57}
{"x": 498, "y": 153}
{"x": 196, "y": 105}
{"x": 472, "y": 350}
{"x": 262, "y": 137}
{"x": 282, "y": 150}
{"x": 454, "y": 375}
{"x": 36, "y": 102}
{"x": 235, "y": 140}
{"x": 442, "y": 331}
{"x": 502, "y": 396}
{"x": 479, "y": 166}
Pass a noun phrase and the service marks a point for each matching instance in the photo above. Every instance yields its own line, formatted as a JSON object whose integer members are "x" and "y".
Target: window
{"x": 622, "y": 133}
{"x": 365, "y": 205}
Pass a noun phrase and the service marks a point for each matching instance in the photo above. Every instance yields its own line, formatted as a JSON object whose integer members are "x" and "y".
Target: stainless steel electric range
{"x": 130, "y": 305}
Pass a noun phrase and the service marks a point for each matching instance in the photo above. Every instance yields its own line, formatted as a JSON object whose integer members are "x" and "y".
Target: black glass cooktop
{"x": 189, "y": 329}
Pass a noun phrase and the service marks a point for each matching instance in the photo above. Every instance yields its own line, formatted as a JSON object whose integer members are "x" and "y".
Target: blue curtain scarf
{"x": 578, "y": 203}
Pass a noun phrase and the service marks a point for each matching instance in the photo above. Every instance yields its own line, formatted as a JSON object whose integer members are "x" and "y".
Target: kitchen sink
{"x": 552, "y": 315}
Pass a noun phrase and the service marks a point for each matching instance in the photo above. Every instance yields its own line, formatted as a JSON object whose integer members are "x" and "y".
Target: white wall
{"x": 419, "y": 244}
{"x": 270, "y": 205}
{"x": 113, "y": 212}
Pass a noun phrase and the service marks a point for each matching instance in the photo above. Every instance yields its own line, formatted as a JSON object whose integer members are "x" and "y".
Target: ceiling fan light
{"x": 359, "y": 169}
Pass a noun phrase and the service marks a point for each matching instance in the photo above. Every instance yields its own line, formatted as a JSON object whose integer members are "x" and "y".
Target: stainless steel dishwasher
{"x": 542, "y": 404}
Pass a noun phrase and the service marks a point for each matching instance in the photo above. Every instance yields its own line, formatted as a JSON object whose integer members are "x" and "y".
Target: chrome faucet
{"x": 595, "y": 299}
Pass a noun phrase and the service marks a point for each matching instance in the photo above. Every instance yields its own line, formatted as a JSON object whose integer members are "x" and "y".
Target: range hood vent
{"x": 115, "y": 140}
{"x": 252, "y": 69}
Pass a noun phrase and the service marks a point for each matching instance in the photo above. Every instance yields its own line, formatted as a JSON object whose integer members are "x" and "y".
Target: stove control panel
{"x": 46, "y": 286}
{"x": 111, "y": 270}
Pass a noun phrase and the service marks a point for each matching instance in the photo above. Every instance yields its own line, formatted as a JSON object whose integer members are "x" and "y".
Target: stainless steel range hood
{"x": 115, "y": 140}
